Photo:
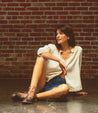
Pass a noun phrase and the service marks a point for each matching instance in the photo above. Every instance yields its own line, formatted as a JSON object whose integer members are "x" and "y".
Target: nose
{"x": 57, "y": 36}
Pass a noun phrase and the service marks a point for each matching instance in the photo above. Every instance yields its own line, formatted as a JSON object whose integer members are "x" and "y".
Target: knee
{"x": 65, "y": 87}
{"x": 40, "y": 59}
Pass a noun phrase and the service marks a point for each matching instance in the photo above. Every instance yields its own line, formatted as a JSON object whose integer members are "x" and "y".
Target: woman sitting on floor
{"x": 57, "y": 69}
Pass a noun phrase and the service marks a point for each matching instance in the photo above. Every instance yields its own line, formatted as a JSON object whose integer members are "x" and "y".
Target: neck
{"x": 65, "y": 46}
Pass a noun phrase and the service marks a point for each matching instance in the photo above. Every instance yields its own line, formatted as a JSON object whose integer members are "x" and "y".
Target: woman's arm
{"x": 48, "y": 55}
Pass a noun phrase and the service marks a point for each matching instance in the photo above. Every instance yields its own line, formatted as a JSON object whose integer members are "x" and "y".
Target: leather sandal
{"x": 18, "y": 96}
{"x": 30, "y": 96}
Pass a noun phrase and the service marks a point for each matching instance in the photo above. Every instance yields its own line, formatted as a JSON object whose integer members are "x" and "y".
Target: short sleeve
{"x": 46, "y": 48}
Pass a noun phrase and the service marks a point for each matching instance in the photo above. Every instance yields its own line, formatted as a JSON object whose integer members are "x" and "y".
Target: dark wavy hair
{"x": 68, "y": 31}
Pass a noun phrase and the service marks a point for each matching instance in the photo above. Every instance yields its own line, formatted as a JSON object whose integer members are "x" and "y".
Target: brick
{"x": 19, "y": 1}
{"x": 3, "y": 39}
{"x": 34, "y": 43}
{"x": 85, "y": 34}
{"x": 3, "y": 30}
{"x": 26, "y": 25}
{"x": 26, "y": 21}
{"x": 25, "y": 13}
{"x": 61, "y": 4}
{"x": 39, "y": 21}
{"x": 13, "y": 13}
{"x": 19, "y": 9}
{"x": 4, "y": 55}
{"x": 7, "y": 51}
{"x": 14, "y": 30}
{"x": 27, "y": 39}
{"x": 93, "y": 8}
{"x": 86, "y": 4}
{"x": 1, "y": 17}
{"x": 74, "y": 12}
{"x": 14, "y": 17}
{"x": 92, "y": 0}
{"x": 51, "y": 21}
{"x": 44, "y": 0}
{"x": 6, "y": 26}
{"x": 94, "y": 67}
{"x": 88, "y": 21}
{"x": 50, "y": 13}
{"x": 12, "y": 4}
{"x": 82, "y": 8}
{"x": 87, "y": 13}
{"x": 32, "y": 8}
{"x": 26, "y": 30}
{"x": 20, "y": 51}
{"x": 21, "y": 43}
{"x": 18, "y": 26}
{"x": 69, "y": 8}
{"x": 8, "y": 17}
{"x": 7, "y": 0}
{"x": 11, "y": 59}
{"x": 88, "y": 30}
{"x": 96, "y": 12}
{"x": 32, "y": 0}
{"x": 25, "y": 4}
{"x": 9, "y": 43}
{"x": 50, "y": 4}
{"x": 37, "y": 13}
{"x": 22, "y": 34}
{"x": 57, "y": 8}
{"x": 62, "y": 13}
{"x": 3, "y": 13}
{"x": 90, "y": 38}
{"x": 3, "y": 21}
{"x": 74, "y": 4}
{"x": 9, "y": 34}
{"x": 8, "y": 8}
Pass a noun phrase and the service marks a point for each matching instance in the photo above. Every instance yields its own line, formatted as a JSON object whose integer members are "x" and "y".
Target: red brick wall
{"x": 25, "y": 25}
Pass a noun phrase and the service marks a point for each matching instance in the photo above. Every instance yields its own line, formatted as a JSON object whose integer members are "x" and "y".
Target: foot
{"x": 30, "y": 96}
{"x": 18, "y": 96}
{"x": 81, "y": 93}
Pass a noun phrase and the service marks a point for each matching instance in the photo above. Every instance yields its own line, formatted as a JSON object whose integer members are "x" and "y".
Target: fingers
{"x": 63, "y": 68}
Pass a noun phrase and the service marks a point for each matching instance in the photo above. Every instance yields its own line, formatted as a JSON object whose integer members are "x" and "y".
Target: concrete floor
{"x": 73, "y": 104}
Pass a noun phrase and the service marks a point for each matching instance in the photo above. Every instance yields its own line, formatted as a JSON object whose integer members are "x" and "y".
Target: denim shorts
{"x": 56, "y": 81}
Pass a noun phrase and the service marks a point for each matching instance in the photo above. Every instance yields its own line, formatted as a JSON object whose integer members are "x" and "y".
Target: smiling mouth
{"x": 58, "y": 39}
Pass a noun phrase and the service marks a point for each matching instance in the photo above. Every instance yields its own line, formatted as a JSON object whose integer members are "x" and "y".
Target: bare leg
{"x": 38, "y": 79}
{"x": 38, "y": 72}
{"x": 54, "y": 93}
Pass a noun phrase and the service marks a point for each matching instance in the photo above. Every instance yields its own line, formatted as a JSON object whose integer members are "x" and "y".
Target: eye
{"x": 61, "y": 33}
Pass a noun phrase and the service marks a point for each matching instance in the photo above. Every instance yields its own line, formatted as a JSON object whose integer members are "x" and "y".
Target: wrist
{"x": 58, "y": 60}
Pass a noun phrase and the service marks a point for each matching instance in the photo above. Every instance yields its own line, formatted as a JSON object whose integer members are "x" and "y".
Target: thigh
{"x": 55, "y": 82}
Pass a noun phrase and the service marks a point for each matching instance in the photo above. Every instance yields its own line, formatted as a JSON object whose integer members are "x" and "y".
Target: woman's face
{"x": 61, "y": 37}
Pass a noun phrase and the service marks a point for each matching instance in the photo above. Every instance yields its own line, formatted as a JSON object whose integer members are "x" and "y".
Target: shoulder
{"x": 77, "y": 49}
{"x": 52, "y": 46}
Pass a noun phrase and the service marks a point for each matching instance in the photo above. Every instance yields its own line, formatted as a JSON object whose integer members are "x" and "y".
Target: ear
{"x": 68, "y": 37}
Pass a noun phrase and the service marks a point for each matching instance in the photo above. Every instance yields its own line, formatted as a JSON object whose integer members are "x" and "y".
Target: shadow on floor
{"x": 72, "y": 104}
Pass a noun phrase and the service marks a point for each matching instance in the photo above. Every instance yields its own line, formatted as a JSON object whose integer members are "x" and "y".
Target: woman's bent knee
{"x": 65, "y": 87}
{"x": 40, "y": 59}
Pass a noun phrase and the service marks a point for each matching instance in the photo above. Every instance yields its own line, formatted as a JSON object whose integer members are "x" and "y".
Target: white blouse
{"x": 73, "y": 65}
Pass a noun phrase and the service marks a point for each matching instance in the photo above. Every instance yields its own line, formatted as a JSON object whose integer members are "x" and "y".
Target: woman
{"x": 57, "y": 68}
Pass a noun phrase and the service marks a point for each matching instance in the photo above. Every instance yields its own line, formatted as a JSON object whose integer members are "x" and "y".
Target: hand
{"x": 63, "y": 67}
